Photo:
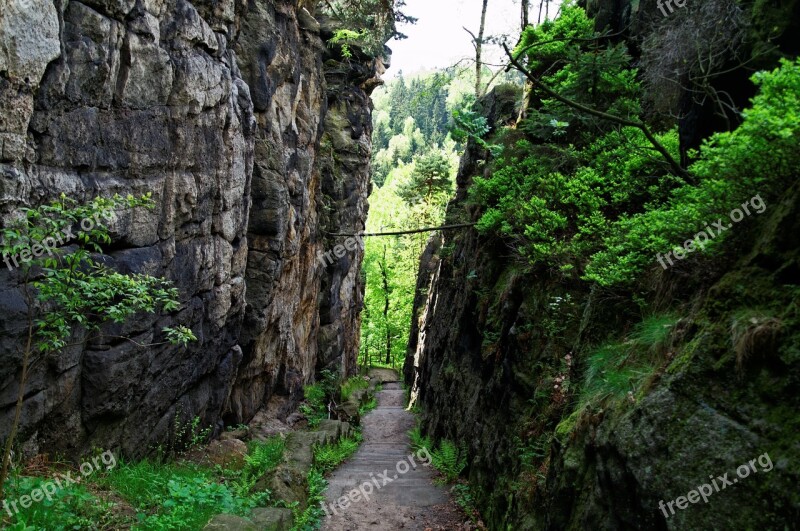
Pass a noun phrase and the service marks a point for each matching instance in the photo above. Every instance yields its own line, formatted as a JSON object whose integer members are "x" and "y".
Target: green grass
{"x": 617, "y": 369}
{"x": 623, "y": 368}
{"x": 326, "y": 458}
{"x": 72, "y": 507}
{"x": 368, "y": 406}
{"x": 171, "y": 495}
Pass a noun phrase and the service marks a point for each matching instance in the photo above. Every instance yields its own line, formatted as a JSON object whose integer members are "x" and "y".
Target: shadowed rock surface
{"x": 254, "y": 138}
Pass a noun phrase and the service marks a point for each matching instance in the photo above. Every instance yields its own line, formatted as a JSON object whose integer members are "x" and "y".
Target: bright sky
{"x": 439, "y": 40}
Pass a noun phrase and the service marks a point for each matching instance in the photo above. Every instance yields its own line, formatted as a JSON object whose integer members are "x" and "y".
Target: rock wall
{"x": 253, "y": 137}
{"x": 497, "y": 342}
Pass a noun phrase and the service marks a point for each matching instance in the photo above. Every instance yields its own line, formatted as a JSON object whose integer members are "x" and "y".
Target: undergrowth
{"x": 161, "y": 494}
{"x": 622, "y": 369}
{"x": 329, "y": 456}
{"x": 448, "y": 458}
{"x": 352, "y": 385}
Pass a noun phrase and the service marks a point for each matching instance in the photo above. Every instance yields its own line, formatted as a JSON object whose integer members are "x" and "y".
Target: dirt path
{"x": 402, "y": 499}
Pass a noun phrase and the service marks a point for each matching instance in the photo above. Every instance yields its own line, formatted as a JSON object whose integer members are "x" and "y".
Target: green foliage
{"x": 318, "y": 396}
{"x": 412, "y": 156}
{"x": 311, "y": 518}
{"x": 469, "y": 124}
{"x": 329, "y": 456}
{"x": 72, "y": 507}
{"x": 419, "y": 441}
{"x": 352, "y": 385}
{"x": 533, "y": 451}
{"x": 344, "y": 38}
{"x": 430, "y": 177}
{"x": 619, "y": 369}
{"x": 368, "y": 406}
{"x": 466, "y": 500}
{"x": 172, "y": 495}
{"x": 72, "y": 288}
{"x": 759, "y": 157}
{"x": 449, "y": 459}
{"x": 188, "y": 435}
{"x": 182, "y": 495}
{"x": 72, "y": 291}
{"x": 262, "y": 457}
{"x": 374, "y": 21}
{"x": 591, "y": 199}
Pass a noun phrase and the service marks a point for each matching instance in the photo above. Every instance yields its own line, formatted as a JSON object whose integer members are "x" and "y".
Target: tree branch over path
{"x": 414, "y": 231}
{"x": 676, "y": 167}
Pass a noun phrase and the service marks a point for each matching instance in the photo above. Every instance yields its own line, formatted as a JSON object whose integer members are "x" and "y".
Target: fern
{"x": 418, "y": 441}
{"x": 450, "y": 460}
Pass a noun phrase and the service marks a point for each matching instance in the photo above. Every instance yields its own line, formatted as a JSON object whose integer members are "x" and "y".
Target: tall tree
{"x": 525, "y": 9}
{"x": 431, "y": 176}
{"x": 477, "y": 43}
{"x": 385, "y": 278}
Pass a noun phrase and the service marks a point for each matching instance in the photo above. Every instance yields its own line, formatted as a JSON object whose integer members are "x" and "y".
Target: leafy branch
{"x": 536, "y": 82}
{"x": 67, "y": 289}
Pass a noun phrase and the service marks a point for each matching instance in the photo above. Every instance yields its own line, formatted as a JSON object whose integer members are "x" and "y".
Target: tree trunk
{"x": 479, "y": 51}
{"x": 385, "y": 276}
{"x": 525, "y": 9}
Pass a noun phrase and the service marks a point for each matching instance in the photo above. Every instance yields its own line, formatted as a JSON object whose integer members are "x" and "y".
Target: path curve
{"x": 407, "y": 500}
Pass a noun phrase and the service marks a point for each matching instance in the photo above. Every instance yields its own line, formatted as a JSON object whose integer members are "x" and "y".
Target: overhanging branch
{"x": 676, "y": 167}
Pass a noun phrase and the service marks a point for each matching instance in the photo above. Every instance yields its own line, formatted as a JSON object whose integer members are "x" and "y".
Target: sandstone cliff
{"x": 254, "y": 138}
{"x": 496, "y": 342}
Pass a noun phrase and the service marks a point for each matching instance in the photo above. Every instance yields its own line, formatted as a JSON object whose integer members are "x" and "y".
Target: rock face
{"x": 496, "y": 343}
{"x": 253, "y": 137}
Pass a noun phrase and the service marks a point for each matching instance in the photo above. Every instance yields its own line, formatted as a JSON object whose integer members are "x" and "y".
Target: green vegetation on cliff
{"x": 581, "y": 194}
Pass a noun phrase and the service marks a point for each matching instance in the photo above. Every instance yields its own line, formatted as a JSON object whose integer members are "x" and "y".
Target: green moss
{"x": 567, "y": 425}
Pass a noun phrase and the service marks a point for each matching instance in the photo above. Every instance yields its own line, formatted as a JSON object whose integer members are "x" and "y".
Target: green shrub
{"x": 584, "y": 196}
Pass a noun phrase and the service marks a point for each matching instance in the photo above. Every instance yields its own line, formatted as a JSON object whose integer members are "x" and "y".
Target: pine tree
{"x": 431, "y": 176}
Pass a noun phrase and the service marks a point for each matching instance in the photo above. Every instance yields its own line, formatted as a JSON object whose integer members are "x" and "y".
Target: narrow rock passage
{"x": 407, "y": 500}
